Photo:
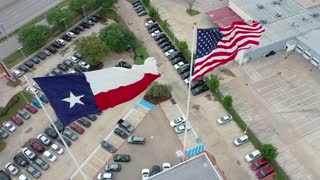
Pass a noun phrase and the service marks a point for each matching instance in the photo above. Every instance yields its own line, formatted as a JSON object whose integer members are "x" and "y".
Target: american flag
{"x": 217, "y": 46}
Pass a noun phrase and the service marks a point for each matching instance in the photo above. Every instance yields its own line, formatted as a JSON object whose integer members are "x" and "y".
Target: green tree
{"x": 227, "y": 101}
{"x": 146, "y": 2}
{"x": 33, "y": 36}
{"x": 153, "y": 12}
{"x": 212, "y": 83}
{"x": 164, "y": 23}
{"x": 92, "y": 48}
{"x": 158, "y": 92}
{"x": 269, "y": 151}
{"x": 117, "y": 37}
{"x": 55, "y": 17}
{"x": 82, "y": 5}
{"x": 182, "y": 45}
{"x": 106, "y": 3}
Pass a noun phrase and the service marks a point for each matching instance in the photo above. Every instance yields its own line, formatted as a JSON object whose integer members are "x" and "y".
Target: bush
{"x": 269, "y": 151}
{"x": 139, "y": 60}
{"x": 158, "y": 93}
{"x": 2, "y": 111}
{"x": 146, "y": 2}
{"x": 141, "y": 52}
{"x": 227, "y": 101}
{"x": 213, "y": 82}
{"x": 182, "y": 45}
{"x": 153, "y": 13}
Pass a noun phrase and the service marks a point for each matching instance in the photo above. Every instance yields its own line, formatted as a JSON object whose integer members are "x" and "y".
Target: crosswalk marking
{"x": 251, "y": 72}
{"x": 195, "y": 150}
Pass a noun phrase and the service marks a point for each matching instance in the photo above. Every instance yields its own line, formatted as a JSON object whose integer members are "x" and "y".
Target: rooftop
{"x": 308, "y": 3}
{"x": 199, "y": 167}
{"x": 312, "y": 39}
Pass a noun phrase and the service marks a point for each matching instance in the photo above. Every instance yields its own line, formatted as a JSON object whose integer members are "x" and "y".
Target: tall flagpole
{"x": 55, "y": 128}
{"x": 189, "y": 92}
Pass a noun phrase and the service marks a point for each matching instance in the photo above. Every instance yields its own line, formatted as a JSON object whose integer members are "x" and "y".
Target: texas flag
{"x": 74, "y": 95}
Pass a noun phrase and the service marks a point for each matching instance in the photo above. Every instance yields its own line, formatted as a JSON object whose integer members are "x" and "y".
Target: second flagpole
{"x": 189, "y": 92}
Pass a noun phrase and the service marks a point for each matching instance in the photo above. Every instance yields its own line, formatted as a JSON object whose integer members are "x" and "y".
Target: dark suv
{"x": 51, "y": 133}
{"x": 120, "y": 133}
{"x": 20, "y": 160}
{"x": 125, "y": 125}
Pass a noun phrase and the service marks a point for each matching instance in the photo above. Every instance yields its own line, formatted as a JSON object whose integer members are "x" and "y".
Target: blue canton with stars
{"x": 207, "y": 41}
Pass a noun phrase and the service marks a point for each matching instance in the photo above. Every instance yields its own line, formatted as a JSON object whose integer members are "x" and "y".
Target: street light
{"x": 20, "y": 48}
{"x": 84, "y": 14}
{"x": 65, "y": 23}
{"x": 245, "y": 131}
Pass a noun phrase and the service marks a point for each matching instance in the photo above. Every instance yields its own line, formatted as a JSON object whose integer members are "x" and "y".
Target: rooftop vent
{"x": 315, "y": 15}
{"x": 278, "y": 15}
{"x": 276, "y": 3}
{"x": 294, "y": 24}
{"x": 304, "y": 19}
{"x": 263, "y": 21}
{"x": 260, "y": 6}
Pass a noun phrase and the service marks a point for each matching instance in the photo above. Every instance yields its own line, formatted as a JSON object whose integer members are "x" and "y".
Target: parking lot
{"x": 280, "y": 95}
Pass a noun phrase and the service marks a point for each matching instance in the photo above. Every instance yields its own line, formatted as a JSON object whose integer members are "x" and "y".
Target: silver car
{"x": 70, "y": 134}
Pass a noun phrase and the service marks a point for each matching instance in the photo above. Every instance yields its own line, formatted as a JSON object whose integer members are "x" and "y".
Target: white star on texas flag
{"x": 73, "y": 100}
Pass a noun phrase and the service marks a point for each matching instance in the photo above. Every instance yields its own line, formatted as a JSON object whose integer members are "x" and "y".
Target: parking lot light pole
{"x": 245, "y": 131}
{"x": 84, "y": 14}
{"x": 24, "y": 56}
{"x": 65, "y": 23}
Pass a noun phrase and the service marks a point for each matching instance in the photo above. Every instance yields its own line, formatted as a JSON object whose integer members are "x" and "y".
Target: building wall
{"x": 306, "y": 48}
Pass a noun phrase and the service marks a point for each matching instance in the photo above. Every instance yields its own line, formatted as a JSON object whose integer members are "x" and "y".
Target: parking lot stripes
{"x": 146, "y": 104}
{"x": 195, "y": 150}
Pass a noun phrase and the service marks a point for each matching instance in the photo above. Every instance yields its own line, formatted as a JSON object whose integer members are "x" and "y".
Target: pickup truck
{"x": 125, "y": 125}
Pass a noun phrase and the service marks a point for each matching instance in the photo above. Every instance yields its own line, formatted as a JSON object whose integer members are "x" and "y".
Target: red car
{"x": 15, "y": 119}
{"x": 264, "y": 172}
{"x": 31, "y": 108}
{"x": 77, "y": 128}
{"x": 259, "y": 163}
{"x": 37, "y": 146}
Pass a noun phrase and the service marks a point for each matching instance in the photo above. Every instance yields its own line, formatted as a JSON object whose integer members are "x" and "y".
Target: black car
{"x": 124, "y": 65}
{"x": 88, "y": 22}
{"x": 42, "y": 164}
{"x": 197, "y": 83}
{"x": 46, "y": 52}
{"x": 107, "y": 146}
{"x": 162, "y": 40}
{"x": 56, "y": 45}
{"x": 29, "y": 64}
{"x": 183, "y": 69}
{"x": 77, "y": 55}
{"x": 20, "y": 160}
{"x": 121, "y": 158}
{"x": 153, "y": 29}
{"x": 59, "y": 126}
{"x": 120, "y": 133}
{"x": 142, "y": 13}
{"x": 62, "y": 67}
{"x": 167, "y": 48}
{"x": 140, "y": 8}
{"x": 75, "y": 30}
{"x": 155, "y": 170}
{"x": 67, "y": 63}
{"x": 44, "y": 98}
{"x": 153, "y": 25}
{"x": 41, "y": 56}
{"x": 81, "y": 28}
{"x": 138, "y": 4}
{"x": 85, "y": 25}
{"x": 68, "y": 142}
{"x": 84, "y": 122}
{"x": 3, "y": 134}
{"x": 78, "y": 69}
{"x": 97, "y": 16}
{"x": 91, "y": 117}
{"x": 66, "y": 37}
{"x": 125, "y": 125}
{"x": 51, "y": 49}
{"x": 164, "y": 44}
{"x": 174, "y": 55}
{"x": 199, "y": 90}
{"x": 23, "y": 68}
{"x": 176, "y": 60}
{"x": 159, "y": 36}
{"x": 4, "y": 175}
{"x": 56, "y": 71}
{"x": 93, "y": 19}
{"x": 51, "y": 132}
{"x": 185, "y": 75}
{"x": 35, "y": 60}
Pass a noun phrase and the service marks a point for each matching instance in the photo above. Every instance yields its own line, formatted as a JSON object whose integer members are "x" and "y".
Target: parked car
{"x": 16, "y": 120}
{"x": 145, "y": 174}
{"x": 164, "y": 44}
{"x": 66, "y": 38}
{"x": 41, "y": 56}
{"x": 44, "y": 98}
{"x": 77, "y": 55}
{"x": 157, "y": 32}
{"x": 3, "y": 133}
{"x": 51, "y": 132}
{"x": 81, "y": 28}
{"x": 199, "y": 90}
{"x": 42, "y": 164}
{"x": 104, "y": 175}
{"x": 32, "y": 90}
{"x": 61, "y": 42}
{"x": 75, "y": 30}
{"x": 155, "y": 170}
{"x": 71, "y": 34}
{"x": 36, "y": 146}
{"x": 176, "y": 61}
{"x": 77, "y": 128}
{"x": 252, "y": 156}
{"x": 36, "y": 103}
{"x": 140, "y": 9}
{"x": 68, "y": 63}
{"x": 112, "y": 167}
{"x": 23, "y": 68}
{"x": 44, "y": 139}
{"x": 57, "y": 149}
{"x": 24, "y": 114}
{"x": 142, "y": 13}
{"x": 78, "y": 69}
{"x": 33, "y": 171}
{"x": 169, "y": 52}
{"x": 88, "y": 22}
{"x": 178, "y": 65}
{"x": 35, "y": 60}
{"x": 84, "y": 122}
{"x": 261, "y": 174}
{"x": 258, "y": 163}
{"x": 4, "y": 175}
{"x": 166, "y": 166}
{"x": 73, "y": 59}
{"x": 56, "y": 71}
{"x": 91, "y": 117}
{"x": 197, "y": 83}
{"x": 20, "y": 160}
{"x": 159, "y": 36}
{"x": 149, "y": 22}
{"x": 28, "y": 153}
{"x": 58, "y": 125}
{"x": 50, "y": 74}
{"x": 162, "y": 40}
{"x": 181, "y": 129}
{"x": 70, "y": 134}
{"x": 34, "y": 84}
{"x": 84, "y": 65}
{"x": 46, "y": 52}
{"x": 62, "y": 67}
{"x": 136, "y": 140}
{"x": 241, "y": 140}
{"x": 167, "y": 48}
{"x": 29, "y": 108}
{"x": 154, "y": 29}
{"x": 121, "y": 158}
{"x": 85, "y": 25}
{"x": 49, "y": 156}
{"x": 51, "y": 49}
{"x": 17, "y": 73}
{"x": 120, "y": 133}
{"x": 124, "y": 64}
{"x": 23, "y": 177}
{"x": 224, "y": 119}
{"x": 125, "y": 125}
{"x": 12, "y": 169}
{"x": 177, "y": 121}
{"x": 9, "y": 126}
{"x": 107, "y": 146}
{"x": 56, "y": 45}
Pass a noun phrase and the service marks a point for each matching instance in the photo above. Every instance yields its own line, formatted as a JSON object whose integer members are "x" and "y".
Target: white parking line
{"x": 286, "y": 92}
{"x": 261, "y": 122}
{"x": 97, "y": 158}
{"x": 311, "y": 104}
{"x": 286, "y": 162}
{"x": 263, "y": 130}
{"x": 291, "y": 97}
{"x": 295, "y": 170}
{"x": 88, "y": 164}
{"x": 311, "y": 131}
{"x": 276, "y": 82}
{"x": 316, "y": 119}
{"x": 281, "y": 87}
{"x": 249, "y": 109}
{"x": 297, "y": 102}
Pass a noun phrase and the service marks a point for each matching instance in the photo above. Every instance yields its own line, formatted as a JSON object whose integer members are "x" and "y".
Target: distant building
{"x": 199, "y": 167}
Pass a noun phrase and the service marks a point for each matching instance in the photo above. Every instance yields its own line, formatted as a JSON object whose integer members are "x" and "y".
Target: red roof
{"x": 223, "y": 16}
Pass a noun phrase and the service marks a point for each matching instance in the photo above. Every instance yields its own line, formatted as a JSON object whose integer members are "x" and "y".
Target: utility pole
{"x": 24, "y": 56}
{"x": 65, "y": 23}
{"x": 250, "y": 119}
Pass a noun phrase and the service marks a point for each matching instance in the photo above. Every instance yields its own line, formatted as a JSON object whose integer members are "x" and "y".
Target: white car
{"x": 48, "y": 155}
{"x": 17, "y": 73}
{"x": 148, "y": 23}
{"x": 9, "y": 126}
{"x": 224, "y": 119}
{"x": 178, "y": 66}
{"x": 177, "y": 121}
{"x": 32, "y": 90}
{"x": 180, "y": 129}
{"x": 241, "y": 140}
{"x": 36, "y": 85}
{"x": 71, "y": 34}
{"x": 156, "y": 33}
{"x": 57, "y": 149}
{"x": 23, "y": 177}
{"x": 145, "y": 174}
{"x": 166, "y": 166}
{"x": 72, "y": 71}
{"x": 84, "y": 65}
{"x": 44, "y": 139}
{"x": 12, "y": 168}
{"x": 252, "y": 156}
{"x": 30, "y": 154}
{"x": 170, "y": 51}
{"x": 104, "y": 176}
{"x": 61, "y": 41}
{"x": 73, "y": 59}
{"x": 187, "y": 81}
